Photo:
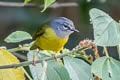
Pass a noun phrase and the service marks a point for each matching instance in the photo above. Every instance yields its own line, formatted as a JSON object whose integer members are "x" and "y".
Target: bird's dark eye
{"x": 65, "y": 26}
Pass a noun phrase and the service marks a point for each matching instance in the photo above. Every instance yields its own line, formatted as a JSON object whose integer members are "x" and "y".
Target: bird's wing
{"x": 40, "y": 31}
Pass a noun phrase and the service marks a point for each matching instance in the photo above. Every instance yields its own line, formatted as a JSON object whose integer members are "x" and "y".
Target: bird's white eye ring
{"x": 64, "y": 26}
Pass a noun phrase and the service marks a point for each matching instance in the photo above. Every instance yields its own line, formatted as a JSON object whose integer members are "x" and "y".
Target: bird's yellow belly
{"x": 49, "y": 41}
{"x": 54, "y": 44}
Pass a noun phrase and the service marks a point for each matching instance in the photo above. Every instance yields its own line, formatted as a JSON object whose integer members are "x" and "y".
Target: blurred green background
{"x": 29, "y": 19}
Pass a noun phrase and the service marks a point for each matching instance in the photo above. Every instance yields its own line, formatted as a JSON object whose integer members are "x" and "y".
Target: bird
{"x": 53, "y": 35}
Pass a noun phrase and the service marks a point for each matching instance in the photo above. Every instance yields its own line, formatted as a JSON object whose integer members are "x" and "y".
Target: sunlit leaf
{"x": 47, "y": 3}
{"x": 106, "y": 68}
{"x": 13, "y": 73}
{"x": 55, "y": 71}
{"x": 17, "y": 37}
{"x": 106, "y": 30}
{"x": 26, "y": 1}
{"x": 78, "y": 69}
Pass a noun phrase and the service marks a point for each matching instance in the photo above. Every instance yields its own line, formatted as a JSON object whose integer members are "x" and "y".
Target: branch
{"x": 18, "y": 55}
{"x": 33, "y": 5}
{"x": 26, "y": 63}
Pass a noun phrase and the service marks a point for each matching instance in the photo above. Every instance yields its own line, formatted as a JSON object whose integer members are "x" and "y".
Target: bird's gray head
{"x": 62, "y": 26}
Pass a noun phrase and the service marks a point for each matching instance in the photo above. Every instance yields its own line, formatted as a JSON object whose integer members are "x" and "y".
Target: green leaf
{"x": 106, "y": 68}
{"x": 78, "y": 69}
{"x": 17, "y": 37}
{"x": 26, "y": 1}
{"x": 55, "y": 71}
{"x": 47, "y": 3}
{"x": 106, "y": 30}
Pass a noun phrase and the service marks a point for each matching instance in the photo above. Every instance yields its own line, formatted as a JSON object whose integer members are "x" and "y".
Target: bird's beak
{"x": 73, "y": 29}
{"x": 76, "y": 30}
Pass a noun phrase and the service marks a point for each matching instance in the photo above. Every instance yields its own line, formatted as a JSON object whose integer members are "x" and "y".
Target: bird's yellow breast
{"x": 49, "y": 41}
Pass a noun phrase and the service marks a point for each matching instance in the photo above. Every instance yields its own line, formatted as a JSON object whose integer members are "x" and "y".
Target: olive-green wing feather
{"x": 38, "y": 33}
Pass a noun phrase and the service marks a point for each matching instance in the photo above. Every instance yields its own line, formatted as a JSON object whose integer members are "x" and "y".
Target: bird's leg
{"x": 57, "y": 59}
{"x": 55, "y": 56}
{"x": 35, "y": 57}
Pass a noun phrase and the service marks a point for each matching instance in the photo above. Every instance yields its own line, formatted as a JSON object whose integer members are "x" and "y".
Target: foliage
{"x": 106, "y": 33}
{"x": 17, "y": 37}
{"x": 106, "y": 68}
{"x": 106, "y": 30}
{"x": 58, "y": 71}
{"x": 78, "y": 69}
{"x": 46, "y": 3}
{"x": 26, "y": 1}
{"x": 10, "y": 74}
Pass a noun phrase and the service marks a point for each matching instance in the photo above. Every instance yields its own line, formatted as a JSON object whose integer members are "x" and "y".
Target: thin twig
{"x": 26, "y": 63}
{"x": 34, "y": 5}
{"x": 22, "y": 57}
{"x": 106, "y": 52}
{"x": 19, "y": 48}
{"x": 118, "y": 51}
{"x": 28, "y": 76}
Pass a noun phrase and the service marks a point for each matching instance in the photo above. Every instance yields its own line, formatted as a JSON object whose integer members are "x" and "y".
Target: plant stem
{"x": 106, "y": 52}
{"x": 27, "y": 74}
{"x": 20, "y": 48}
{"x": 26, "y": 63}
{"x": 15, "y": 49}
{"x": 118, "y": 51}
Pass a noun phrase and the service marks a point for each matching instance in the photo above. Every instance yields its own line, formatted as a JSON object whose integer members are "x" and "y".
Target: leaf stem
{"x": 27, "y": 74}
{"x": 20, "y": 48}
{"x": 16, "y": 49}
{"x": 118, "y": 51}
{"x": 106, "y": 52}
